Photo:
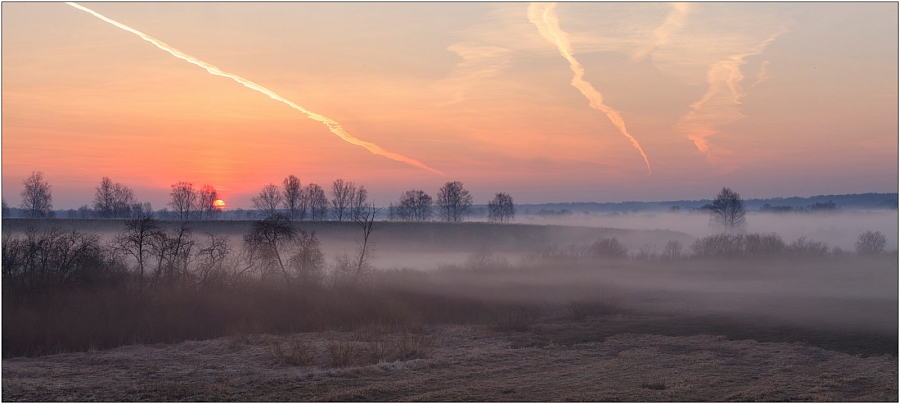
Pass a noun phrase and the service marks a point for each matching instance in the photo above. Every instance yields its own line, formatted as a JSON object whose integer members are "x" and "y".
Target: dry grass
{"x": 581, "y": 309}
{"x": 471, "y": 363}
{"x": 518, "y": 318}
{"x": 295, "y": 352}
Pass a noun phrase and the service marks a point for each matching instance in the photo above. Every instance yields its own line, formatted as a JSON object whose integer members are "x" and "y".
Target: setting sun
{"x": 219, "y": 203}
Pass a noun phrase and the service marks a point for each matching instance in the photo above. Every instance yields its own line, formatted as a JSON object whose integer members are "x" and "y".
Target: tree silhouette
{"x": 358, "y": 202}
{"x": 341, "y": 198}
{"x": 113, "y": 200}
{"x": 206, "y": 203}
{"x": 268, "y": 201}
{"x": 727, "y": 211}
{"x": 318, "y": 203}
{"x": 37, "y": 201}
{"x": 184, "y": 199}
{"x": 415, "y": 205}
{"x": 454, "y": 201}
{"x": 501, "y": 209}
{"x": 870, "y": 243}
{"x": 139, "y": 235}
{"x": 295, "y": 199}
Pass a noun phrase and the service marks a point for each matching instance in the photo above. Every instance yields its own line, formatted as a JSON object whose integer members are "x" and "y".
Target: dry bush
{"x": 672, "y": 251}
{"x": 555, "y": 253}
{"x": 413, "y": 345}
{"x": 580, "y": 309}
{"x": 762, "y": 245}
{"x": 804, "y": 247}
{"x": 870, "y": 243}
{"x": 647, "y": 253}
{"x": 295, "y": 352}
{"x": 376, "y": 351}
{"x": 721, "y": 245}
{"x": 485, "y": 260}
{"x": 341, "y": 353}
{"x": 607, "y": 248}
{"x": 514, "y": 318}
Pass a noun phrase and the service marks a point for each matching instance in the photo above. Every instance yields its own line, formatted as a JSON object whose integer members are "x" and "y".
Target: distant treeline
{"x": 813, "y": 203}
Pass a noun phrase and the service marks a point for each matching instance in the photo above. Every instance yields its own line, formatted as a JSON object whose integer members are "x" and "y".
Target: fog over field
{"x": 838, "y": 229}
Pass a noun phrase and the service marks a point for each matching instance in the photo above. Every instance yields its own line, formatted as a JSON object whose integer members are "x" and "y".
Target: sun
{"x": 219, "y": 203}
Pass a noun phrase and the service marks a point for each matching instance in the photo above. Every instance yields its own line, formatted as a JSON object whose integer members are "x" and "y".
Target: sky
{"x": 568, "y": 102}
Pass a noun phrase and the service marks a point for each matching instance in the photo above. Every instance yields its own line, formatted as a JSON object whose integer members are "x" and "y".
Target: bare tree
{"x": 341, "y": 197}
{"x": 728, "y": 211}
{"x": 5, "y": 208}
{"x": 112, "y": 200}
{"x": 138, "y": 239}
{"x": 415, "y": 205}
{"x": 184, "y": 199}
{"x": 37, "y": 201}
{"x": 501, "y": 209}
{"x": 295, "y": 200}
{"x": 454, "y": 201}
{"x": 365, "y": 220}
{"x": 306, "y": 261}
{"x": 318, "y": 203}
{"x": 268, "y": 201}
{"x": 206, "y": 203}
{"x": 172, "y": 249}
{"x": 358, "y": 202}
{"x": 264, "y": 245}
{"x": 138, "y": 210}
{"x": 870, "y": 243}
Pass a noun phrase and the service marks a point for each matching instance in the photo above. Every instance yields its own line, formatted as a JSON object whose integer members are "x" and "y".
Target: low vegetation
{"x": 73, "y": 291}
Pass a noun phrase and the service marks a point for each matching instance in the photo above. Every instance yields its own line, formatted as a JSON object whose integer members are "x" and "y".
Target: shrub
{"x": 53, "y": 258}
{"x": 295, "y": 353}
{"x": 762, "y": 245}
{"x": 341, "y": 353}
{"x": 607, "y": 248}
{"x": 485, "y": 260}
{"x": 870, "y": 243}
{"x": 753, "y": 245}
{"x": 804, "y": 247}
{"x": 718, "y": 245}
{"x": 581, "y": 309}
{"x": 413, "y": 345}
{"x": 672, "y": 250}
{"x": 514, "y": 318}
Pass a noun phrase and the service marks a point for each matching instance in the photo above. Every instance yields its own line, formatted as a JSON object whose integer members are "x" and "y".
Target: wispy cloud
{"x": 719, "y": 106}
{"x": 480, "y": 62}
{"x": 544, "y": 17}
{"x": 674, "y": 21}
{"x": 763, "y": 74}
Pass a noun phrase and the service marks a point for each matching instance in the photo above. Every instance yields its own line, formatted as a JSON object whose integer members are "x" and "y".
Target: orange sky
{"x": 771, "y": 99}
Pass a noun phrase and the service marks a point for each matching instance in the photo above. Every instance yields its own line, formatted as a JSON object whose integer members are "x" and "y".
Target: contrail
{"x": 719, "y": 107}
{"x": 674, "y": 21}
{"x": 333, "y": 126}
{"x": 544, "y": 17}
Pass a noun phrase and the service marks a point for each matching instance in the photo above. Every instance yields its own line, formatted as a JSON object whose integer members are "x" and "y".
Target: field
{"x": 471, "y": 312}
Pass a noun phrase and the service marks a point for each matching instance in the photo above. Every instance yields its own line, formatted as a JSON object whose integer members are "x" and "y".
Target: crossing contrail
{"x": 544, "y": 17}
{"x": 332, "y": 125}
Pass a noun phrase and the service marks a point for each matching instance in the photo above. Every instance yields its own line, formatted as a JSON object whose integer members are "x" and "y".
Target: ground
{"x": 556, "y": 358}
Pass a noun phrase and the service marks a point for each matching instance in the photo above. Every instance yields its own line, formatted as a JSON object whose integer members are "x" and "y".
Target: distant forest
{"x": 791, "y": 204}
{"x": 776, "y": 205}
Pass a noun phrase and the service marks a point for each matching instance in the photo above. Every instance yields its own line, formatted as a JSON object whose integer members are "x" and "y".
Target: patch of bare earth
{"x": 453, "y": 363}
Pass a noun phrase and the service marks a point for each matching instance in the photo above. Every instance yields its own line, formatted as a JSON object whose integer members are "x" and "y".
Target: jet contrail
{"x": 544, "y": 17}
{"x": 333, "y": 126}
{"x": 719, "y": 106}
